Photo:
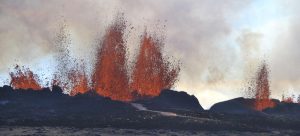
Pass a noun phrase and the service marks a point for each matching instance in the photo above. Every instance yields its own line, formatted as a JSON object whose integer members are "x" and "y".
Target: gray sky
{"x": 220, "y": 43}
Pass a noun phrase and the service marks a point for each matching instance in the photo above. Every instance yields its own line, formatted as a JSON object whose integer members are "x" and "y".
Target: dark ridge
{"x": 235, "y": 106}
{"x": 170, "y": 100}
{"x": 53, "y": 108}
{"x": 246, "y": 106}
{"x": 282, "y": 108}
{"x": 52, "y": 105}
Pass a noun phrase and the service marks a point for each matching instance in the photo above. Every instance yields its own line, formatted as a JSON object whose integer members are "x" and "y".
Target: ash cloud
{"x": 195, "y": 29}
{"x": 286, "y": 53}
{"x": 197, "y": 33}
{"x": 250, "y": 52}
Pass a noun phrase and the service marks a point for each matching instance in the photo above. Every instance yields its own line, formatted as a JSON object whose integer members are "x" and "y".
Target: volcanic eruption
{"x": 287, "y": 99}
{"x": 70, "y": 73}
{"x": 79, "y": 80}
{"x": 262, "y": 92}
{"x": 152, "y": 72}
{"x": 23, "y": 78}
{"x": 110, "y": 77}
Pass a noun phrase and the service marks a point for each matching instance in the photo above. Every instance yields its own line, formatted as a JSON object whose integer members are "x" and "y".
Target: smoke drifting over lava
{"x": 110, "y": 77}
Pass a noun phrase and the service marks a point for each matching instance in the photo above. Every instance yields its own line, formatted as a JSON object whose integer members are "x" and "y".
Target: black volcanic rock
{"x": 53, "y": 108}
{"x": 44, "y": 105}
{"x": 282, "y": 108}
{"x": 5, "y": 91}
{"x": 238, "y": 106}
{"x": 170, "y": 100}
{"x": 57, "y": 90}
{"x": 235, "y": 106}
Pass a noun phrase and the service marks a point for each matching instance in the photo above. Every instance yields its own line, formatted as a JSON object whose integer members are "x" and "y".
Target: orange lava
{"x": 290, "y": 99}
{"x": 76, "y": 81}
{"x": 262, "y": 95}
{"x": 151, "y": 72}
{"x": 110, "y": 77}
{"x": 263, "y": 104}
{"x": 23, "y": 78}
{"x": 70, "y": 74}
{"x": 79, "y": 82}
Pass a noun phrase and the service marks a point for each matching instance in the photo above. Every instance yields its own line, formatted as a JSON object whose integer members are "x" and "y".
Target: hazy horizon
{"x": 220, "y": 44}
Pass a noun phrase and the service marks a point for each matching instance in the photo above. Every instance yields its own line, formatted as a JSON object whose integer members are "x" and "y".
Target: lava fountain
{"x": 152, "y": 72}
{"x": 290, "y": 99}
{"x": 23, "y": 78}
{"x": 70, "y": 74}
{"x": 110, "y": 77}
{"x": 262, "y": 94}
{"x": 78, "y": 79}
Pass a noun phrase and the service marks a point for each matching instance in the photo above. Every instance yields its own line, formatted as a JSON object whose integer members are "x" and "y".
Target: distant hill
{"x": 282, "y": 108}
{"x": 170, "y": 100}
{"x": 246, "y": 106}
{"x": 53, "y": 108}
{"x": 236, "y": 106}
{"x": 46, "y": 107}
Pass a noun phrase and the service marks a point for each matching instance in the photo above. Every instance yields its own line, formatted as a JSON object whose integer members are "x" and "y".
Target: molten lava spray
{"x": 70, "y": 74}
{"x": 290, "y": 99}
{"x": 151, "y": 72}
{"x": 79, "y": 80}
{"x": 287, "y": 99}
{"x": 110, "y": 77}
{"x": 23, "y": 78}
{"x": 262, "y": 94}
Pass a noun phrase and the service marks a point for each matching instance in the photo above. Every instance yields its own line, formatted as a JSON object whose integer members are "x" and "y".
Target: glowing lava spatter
{"x": 23, "y": 78}
{"x": 287, "y": 99}
{"x": 79, "y": 80}
{"x": 63, "y": 59}
{"x": 151, "y": 72}
{"x": 110, "y": 77}
{"x": 290, "y": 99}
{"x": 70, "y": 74}
{"x": 262, "y": 95}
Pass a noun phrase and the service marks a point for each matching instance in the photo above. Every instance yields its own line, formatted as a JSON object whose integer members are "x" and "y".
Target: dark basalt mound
{"x": 57, "y": 100}
{"x": 53, "y": 108}
{"x": 238, "y": 106}
{"x": 235, "y": 106}
{"x": 282, "y": 108}
{"x": 33, "y": 107}
{"x": 170, "y": 100}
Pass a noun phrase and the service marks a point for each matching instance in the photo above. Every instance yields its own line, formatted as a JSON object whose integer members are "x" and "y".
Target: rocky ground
{"x": 45, "y": 112}
{"x": 71, "y": 131}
